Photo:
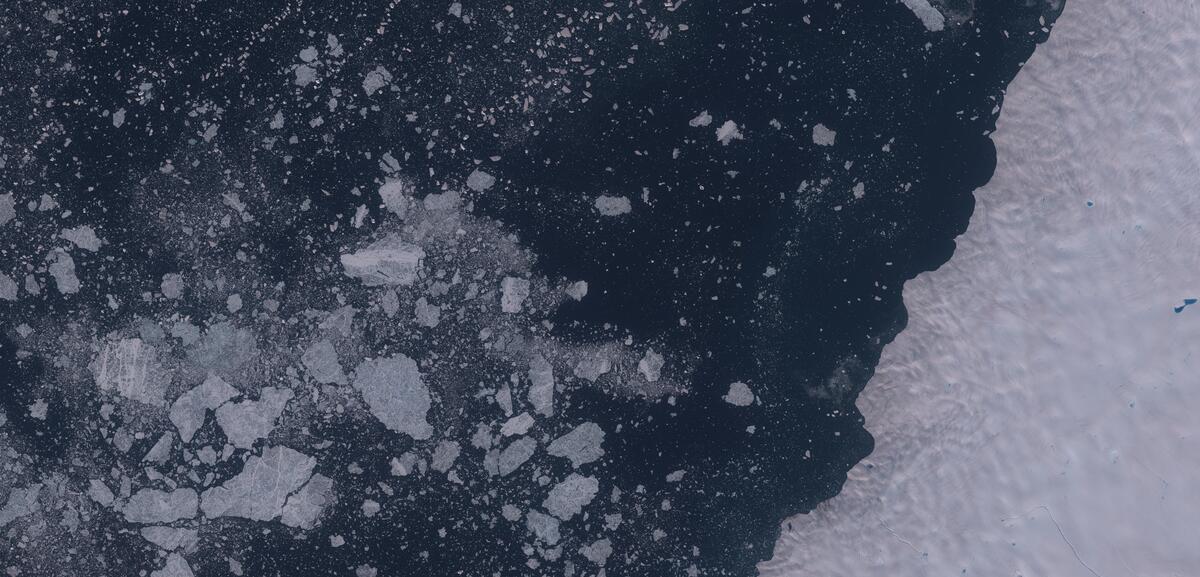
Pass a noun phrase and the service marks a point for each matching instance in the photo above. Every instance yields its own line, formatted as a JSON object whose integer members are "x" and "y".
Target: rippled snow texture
{"x": 1038, "y": 415}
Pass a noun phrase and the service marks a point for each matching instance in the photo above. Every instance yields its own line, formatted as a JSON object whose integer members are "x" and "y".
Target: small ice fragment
{"x": 246, "y": 422}
{"x": 260, "y": 491}
{"x": 541, "y": 387}
{"x": 933, "y": 20}
{"x": 305, "y": 74}
{"x": 543, "y": 526}
{"x": 305, "y": 506}
{"x": 83, "y": 237}
{"x": 8, "y": 288}
{"x": 514, "y": 291}
{"x": 38, "y": 409}
{"x": 176, "y": 566}
{"x": 823, "y": 136}
{"x": 100, "y": 493}
{"x": 739, "y": 395}
{"x": 597, "y": 552}
{"x": 581, "y": 445}
{"x": 516, "y": 454}
{"x": 321, "y": 361}
{"x": 161, "y": 451}
{"x": 577, "y": 290}
{"x": 130, "y": 366}
{"x": 444, "y": 456}
{"x": 569, "y": 497}
{"x": 118, "y": 118}
{"x": 171, "y": 538}
{"x": 152, "y": 506}
{"x": 308, "y": 54}
{"x": 172, "y": 285}
{"x": 426, "y": 314}
{"x": 518, "y": 425}
{"x": 702, "y": 119}
{"x": 187, "y": 413}
{"x": 728, "y": 132}
{"x": 387, "y": 262}
{"x": 21, "y": 502}
{"x": 62, "y": 268}
{"x": 233, "y": 303}
{"x": 592, "y": 366}
{"x": 651, "y": 365}
{"x": 396, "y": 195}
{"x": 396, "y": 394}
{"x": 376, "y": 79}
{"x": 613, "y": 205}
{"x": 403, "y": 465}
{"x": 480, "y": 181}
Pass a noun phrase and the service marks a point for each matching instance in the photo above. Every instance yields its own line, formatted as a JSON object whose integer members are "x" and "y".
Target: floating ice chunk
{"x": 172, "y": 285}
{"x": 728, "y": 132}
{"x": 305, "y": 506}
{"x": 515, "y": 455}
{"x": 577, "y": 290}
{"x": 118, "y": 118}
{"x": 100, "y": 493}
{"x": 376, "y": 79}
{"x": 308, "y": 54}
{"x": 517, "y": 425}
{"x": 543, "y": 526}
{"x": 246, "y": 422}
{"x": 224, "y": 348}
{"x": 321, "y": 361}
{"x": 510, "y": 512}
{"x": 426, "y": 314}
{"x": 403, "y": 465}
{"x": 598, "y": 552}
{"x": 21, "y": 502}
{"x": 62, "y": 268}
{"x": 340, "y": 320}
{"x": 592, "y": 366}
{"x": 83, "y": 237}
{"x": 541, "y": 385}
{"x": 613, "y": 205}
{"x": 370, "y": 508}
{"x": 171, "y": 538}
{"x": 823, "y": 136}
{"x": 305, "y": 75}
{"x": 860, "y": 190}
{"x": 396, "y": 394}
{"x": 739, "y": 395}
{"x": 130, "y": 366}
{"x": 444, "y": 456}
{"x": 187, "y": 413}
{"x": 582, "y": 445}
{"x": 161, "y": 451}
{"x": 176, "y": 566}
{"x": 233, "y": 303}
{"x": 930, "y": 16}
{"x": 569, "y": 497}
{"x": 8, "y": 288}
{"x": 480, "y": 181}
{"x": 702, "y": 119}
{"x": 260, "y": 491}
{"x": 396, "y": 195}
{"x": 513, "y": 292}
{"x": 8, "y": 210}
{"x": 651, "y": 365}
{"x": 152, "y": 506}
{"x": 387, "y": 262}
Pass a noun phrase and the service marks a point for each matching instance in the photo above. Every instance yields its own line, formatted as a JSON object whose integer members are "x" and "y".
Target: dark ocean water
{"x": 911, "y": 110}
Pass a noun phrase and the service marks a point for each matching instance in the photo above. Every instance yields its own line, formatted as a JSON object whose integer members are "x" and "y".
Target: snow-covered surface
{"x": 1038, "y": 415}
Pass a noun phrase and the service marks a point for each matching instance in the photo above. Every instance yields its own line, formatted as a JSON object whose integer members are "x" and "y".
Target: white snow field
{"x": 1040, "y": 416}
